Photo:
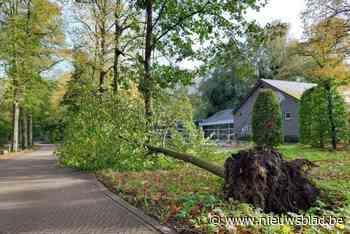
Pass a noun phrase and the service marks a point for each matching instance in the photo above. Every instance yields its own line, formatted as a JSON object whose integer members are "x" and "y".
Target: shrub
{"x": 267, "y": 120}
{"x": 315, "y": 127}
{"x": 92, "y": 136}
{"x": 5, "y": 131}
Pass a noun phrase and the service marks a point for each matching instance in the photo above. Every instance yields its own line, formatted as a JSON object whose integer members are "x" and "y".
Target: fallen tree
{"x": 261, "y": 177}
{"x": 216, "y": 170}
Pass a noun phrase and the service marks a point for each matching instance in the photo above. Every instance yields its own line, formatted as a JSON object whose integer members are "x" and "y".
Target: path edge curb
{"x": 135, "y": 211}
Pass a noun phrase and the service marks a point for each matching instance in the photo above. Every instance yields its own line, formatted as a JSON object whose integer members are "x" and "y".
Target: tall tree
{"x": 109, "y": 31}
{"x": 272, "y": 53}
{"x": 315, "y": 126}
{"x": 225, "y": 88}
{"x": 267, "y": 120}
{"x": 171, "y": 28}
{"x": 327, "y": 47}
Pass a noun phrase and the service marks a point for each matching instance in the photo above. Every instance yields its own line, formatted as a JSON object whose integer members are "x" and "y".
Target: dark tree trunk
{"x": 101, "y": 81}
{"x": 15, "y": 127}
{"x": 20, "y": 130}
{"x": 24, "y": 129}
{"x": 116, "y": 73}
{"x": 116, "y": 49}
{"x": 147, "y": 82}
{"x": 103, "y": 32}
{"x": 11, "y": 148}
{"x": 321, "y": 141}
{"x": 330, "y": 109}
{"x": 30, "y": 131}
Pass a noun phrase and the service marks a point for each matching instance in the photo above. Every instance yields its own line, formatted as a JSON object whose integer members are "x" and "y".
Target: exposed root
{"x": 263, "y": 178}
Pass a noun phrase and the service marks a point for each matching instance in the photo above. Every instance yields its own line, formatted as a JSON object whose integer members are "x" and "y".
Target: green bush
{"x": 267, "y": 120}
{"x": 315, "y": 127}
{"x": 305, "y": 118}
{"x": 92, "y": 136}
{"x": 5, "y": 131}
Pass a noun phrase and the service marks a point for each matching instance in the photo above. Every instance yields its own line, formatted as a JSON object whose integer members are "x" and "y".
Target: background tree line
{"x": 123, "y": 50}
{"x": 31, "y": 38}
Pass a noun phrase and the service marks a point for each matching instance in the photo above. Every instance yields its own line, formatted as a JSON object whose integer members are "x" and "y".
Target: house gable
{"x": 289, "y": 107}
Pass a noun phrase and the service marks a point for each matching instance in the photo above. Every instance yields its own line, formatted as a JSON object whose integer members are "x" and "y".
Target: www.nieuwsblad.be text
{"x": 275, "y": 220}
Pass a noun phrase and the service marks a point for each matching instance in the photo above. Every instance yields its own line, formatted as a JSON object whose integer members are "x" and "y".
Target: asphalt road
{"x": 37, "y": 196}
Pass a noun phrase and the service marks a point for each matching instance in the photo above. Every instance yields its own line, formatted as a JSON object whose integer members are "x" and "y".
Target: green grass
{"x": 290, "y": 152}
{"x": 293, "y": 151}
{"x": 186, "y": 195}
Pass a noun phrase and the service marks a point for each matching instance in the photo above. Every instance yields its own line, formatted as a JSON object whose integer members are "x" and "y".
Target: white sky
{"x": 288, "y": 11}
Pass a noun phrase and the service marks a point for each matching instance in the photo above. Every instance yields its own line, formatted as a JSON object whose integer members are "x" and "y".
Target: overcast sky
{"x": 288, "y": 11}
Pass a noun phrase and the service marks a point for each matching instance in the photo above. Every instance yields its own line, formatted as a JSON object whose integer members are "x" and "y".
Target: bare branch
{"x": 160, "y": 14}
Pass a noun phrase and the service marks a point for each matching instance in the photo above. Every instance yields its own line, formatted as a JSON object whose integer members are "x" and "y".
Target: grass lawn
{"x": 185, "y": 197}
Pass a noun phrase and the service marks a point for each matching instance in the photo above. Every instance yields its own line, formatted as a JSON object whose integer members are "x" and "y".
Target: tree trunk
{"x": 15, "y": 127}
{"x": 103, "y": 32}
{"x": 20, "y": 132}
{"x": 330, "y": 107}
{"x": 321, "y": 142}
{"x": 147, "y": 82}
{"x": 24, "y": 128}
{"x": 216, "y": 170}
{"x": 101, "y": 80}
{"x": 30, "y": 131}
{"x": 116, "y": 73}
{"x": 116, "y": 48}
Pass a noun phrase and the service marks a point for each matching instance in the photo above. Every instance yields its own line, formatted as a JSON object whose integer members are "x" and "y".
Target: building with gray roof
{"x": 289, "y": 94}
{"x": 236, "y": 123}
{"x": 219, "y": 126}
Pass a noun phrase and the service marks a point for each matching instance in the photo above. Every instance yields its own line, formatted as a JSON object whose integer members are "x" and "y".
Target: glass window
{"x": 288, "y": 116}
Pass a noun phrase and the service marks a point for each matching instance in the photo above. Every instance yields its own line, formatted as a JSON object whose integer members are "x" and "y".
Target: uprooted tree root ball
{"x": 263, "y": 178}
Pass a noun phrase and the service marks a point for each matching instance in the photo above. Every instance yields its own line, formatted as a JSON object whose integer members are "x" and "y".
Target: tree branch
{"x": 50, "y": 66}
{"x": 180, "y": 21}
{"x": 160, "y": 14}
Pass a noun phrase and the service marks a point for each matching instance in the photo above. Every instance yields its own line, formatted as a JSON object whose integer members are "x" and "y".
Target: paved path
{"x": 36, "y": 196}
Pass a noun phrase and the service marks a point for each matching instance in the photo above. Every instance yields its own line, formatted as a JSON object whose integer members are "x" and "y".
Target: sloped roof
{"x": 221, "y": 117}
{"x": 292, "y": 88}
